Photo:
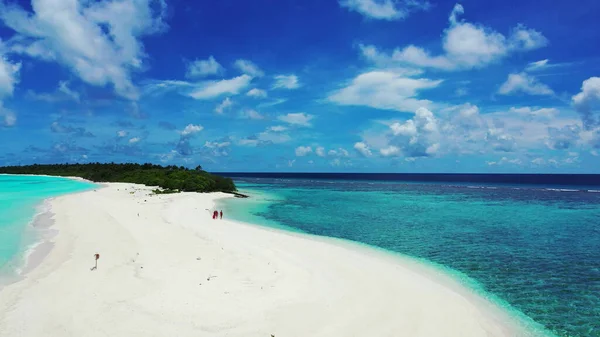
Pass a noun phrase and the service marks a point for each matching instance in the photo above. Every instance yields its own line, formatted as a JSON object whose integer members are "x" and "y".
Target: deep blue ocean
{"x": 20, "y": 200}
{"x": 532, "y": 247}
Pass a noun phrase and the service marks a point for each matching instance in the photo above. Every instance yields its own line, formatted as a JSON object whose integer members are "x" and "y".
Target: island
{"x": 169, "y": 179}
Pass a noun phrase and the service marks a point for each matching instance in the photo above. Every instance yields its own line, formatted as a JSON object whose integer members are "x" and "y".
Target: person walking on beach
{"x": 221, "y": 214}
{"x": 215, "y": 214}
{"x": 96, "y": 257}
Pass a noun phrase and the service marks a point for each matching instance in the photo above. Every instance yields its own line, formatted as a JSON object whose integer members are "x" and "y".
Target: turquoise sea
{"x": 533, "y": 250}
{"x": 20, "y": 200}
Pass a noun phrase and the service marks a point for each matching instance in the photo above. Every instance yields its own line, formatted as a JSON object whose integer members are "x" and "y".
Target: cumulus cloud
{"x": 191, "y": 129}
{"x": 384, "y": 90}
{"x": 524, "y": 83}
{"x": 257, "y": 93}
{"x": 226, "y": 104}
{"x": 299, "y": 118}
{"x": 134, "y": 140}
{"x": 286, "y": 82}
{"x": 212, "y": 89}
{"x": 463, "y": 130}
{"x": 302, "y": 151}
{"x": 121, "y": 133}
{"x": 416, "y": 137}
{"x": 100, "y": 42}
{"x": 249, "y": 68}
{"x": 201, "y": 68}
{"x": 320, "y": 151}
{"x": 363, "y": 149}
{"x": 465, "y": 46}
{"x": 587, "y": 102}
{"x": 563, "y": 138}
{"x": 384, "y": 9}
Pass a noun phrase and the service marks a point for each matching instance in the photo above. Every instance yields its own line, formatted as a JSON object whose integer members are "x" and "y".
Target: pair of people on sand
{"x": 216, "y": 214}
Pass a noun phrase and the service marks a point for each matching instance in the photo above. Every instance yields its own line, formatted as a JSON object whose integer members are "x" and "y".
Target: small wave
{"x": 593, "y": 191}
{"x": 560, "y": 190}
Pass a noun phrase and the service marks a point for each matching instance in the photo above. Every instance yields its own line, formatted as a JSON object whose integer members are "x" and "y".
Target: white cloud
{"x": 216, "y": 145}
{"x": 201, "y": 68}
{"x": 416, "y": 137}
{"x": 122, "y": 133}
{"x": 64, "y": 88}
{"x": 286, "y": 82}
{"x": 302, "y": 151}
{"x": 587, "y": 102}
{"x": 99, "y": 41}
{"x": 273, "y": 137}
{"x": 340, "y": 152}
{"x": 460, "y": 92}
{"x": 249, "y": 68}
{"x": 505, "y": 160}
{"x": 390, "y": 151}
{"x": 384, "y": 9}
{"x": 547, "y": 113}
{"x": 299, "y": 118}
{"x": 465, "y": 46}
{"x": 212, "y": 89}
{"x": 252, "y": 114}
{"x": 538, "y": 65}
{"x": 563, "y": 138}
{"x": 384, "y": 90}
{"x": 7, "y": 117}
{"x": 538, "y": 161}
{"x": 227, "y": 103}
{"x": 258, "y": 93}
{"x": 320, "y": 151}
{"x": 9, "y": 76}
{"x": 134, "y": 140}
{"x": 523, "y": 38}
{"x": 363, "y": 149}
{"x": 524, "y": 83}
{"x": 462, "y": 130}
{"x": 191, "y": 129}
{"x": 278, "y": 128}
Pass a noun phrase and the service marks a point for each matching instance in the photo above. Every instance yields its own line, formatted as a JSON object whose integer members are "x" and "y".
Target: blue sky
{"x": 311, "y": 85}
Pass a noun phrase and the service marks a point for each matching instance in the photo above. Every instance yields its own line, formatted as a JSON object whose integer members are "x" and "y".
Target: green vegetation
{"x": 169, "y": 178}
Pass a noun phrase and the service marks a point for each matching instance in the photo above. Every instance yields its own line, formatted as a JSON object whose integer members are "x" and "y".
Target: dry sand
{"x": 174, "y": 271}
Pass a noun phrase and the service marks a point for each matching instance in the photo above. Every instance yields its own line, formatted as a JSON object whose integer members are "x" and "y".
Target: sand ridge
{"x": 174, "y": 271}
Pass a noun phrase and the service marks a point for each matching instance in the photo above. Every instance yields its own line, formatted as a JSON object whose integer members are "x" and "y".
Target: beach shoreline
{"x": 129, "y": 264}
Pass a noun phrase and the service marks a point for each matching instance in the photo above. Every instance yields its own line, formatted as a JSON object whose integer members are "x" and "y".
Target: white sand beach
{"x": 174, "y": 271}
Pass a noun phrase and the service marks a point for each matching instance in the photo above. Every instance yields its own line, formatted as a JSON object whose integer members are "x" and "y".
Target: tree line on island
{"x": 169, "y": 178}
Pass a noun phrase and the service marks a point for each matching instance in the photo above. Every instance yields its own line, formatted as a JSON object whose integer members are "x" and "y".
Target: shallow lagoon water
{"x": 534, "y": 250}
{"x": 21, "y": 199}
